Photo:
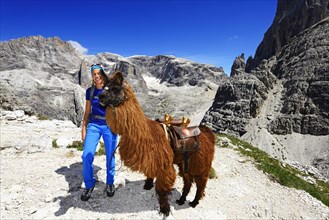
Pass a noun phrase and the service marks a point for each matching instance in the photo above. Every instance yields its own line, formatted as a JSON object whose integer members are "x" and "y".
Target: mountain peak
{"x": 292, "y": 17}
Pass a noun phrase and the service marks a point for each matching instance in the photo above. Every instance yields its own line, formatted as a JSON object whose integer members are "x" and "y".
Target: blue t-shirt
{"x": 96, "y": 108}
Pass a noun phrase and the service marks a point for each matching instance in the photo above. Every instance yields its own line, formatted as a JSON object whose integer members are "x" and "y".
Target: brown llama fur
{"x": 144, "y": 147}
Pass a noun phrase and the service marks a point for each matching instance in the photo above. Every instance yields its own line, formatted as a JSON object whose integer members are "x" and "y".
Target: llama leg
{"x": 148, "y": 184}
{"x": 201, "y": 182}
{"x": 164, "y": 184}
{"x": 163, "y": 202}
{"x": 186, "y": 189}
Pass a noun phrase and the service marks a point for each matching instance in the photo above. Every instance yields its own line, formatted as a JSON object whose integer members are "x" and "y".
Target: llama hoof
{"x": 148, "y": 184}
{"x": 165, "y": 212}
{"x": 193, "y": 204}
{"x": 180, "y": 201}
{"x": 147, "y": 187}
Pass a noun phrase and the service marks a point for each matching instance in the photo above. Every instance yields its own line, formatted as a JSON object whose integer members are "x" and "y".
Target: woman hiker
{"x": 94, "y": 126}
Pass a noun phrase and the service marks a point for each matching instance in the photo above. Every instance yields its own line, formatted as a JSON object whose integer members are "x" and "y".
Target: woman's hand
{"x": 83, "y": 133}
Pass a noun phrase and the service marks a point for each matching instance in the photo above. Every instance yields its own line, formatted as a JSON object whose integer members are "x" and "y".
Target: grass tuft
{"x": 70, "y": 154}
{"x": 212, "y": 173}
{"x": 54, "y": 143}
{"x": 101, "y": 150}
{"x": 42, "y": 117}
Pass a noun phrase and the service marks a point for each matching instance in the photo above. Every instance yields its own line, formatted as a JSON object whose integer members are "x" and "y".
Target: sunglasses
{"x": 97, "y": 64}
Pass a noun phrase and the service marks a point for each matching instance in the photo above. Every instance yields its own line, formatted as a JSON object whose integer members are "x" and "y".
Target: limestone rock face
{"x": 303, "y": 65}
{"x": 280, "y": 103}
{"x": 238, "y": 99}
{"x": 48, "y": 77}
{"x": 292, "y": 17}
{"x": 51, "y": 55}
{"x": 40, "y": 76}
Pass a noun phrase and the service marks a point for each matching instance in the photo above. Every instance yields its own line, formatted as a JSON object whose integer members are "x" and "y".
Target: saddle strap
{"x": 186, "y": 153}
{"x": 186, "y": 157}
{"x": 165, "y": 130}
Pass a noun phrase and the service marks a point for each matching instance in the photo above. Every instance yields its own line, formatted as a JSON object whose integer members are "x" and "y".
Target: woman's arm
{"x": 85, "y": 120}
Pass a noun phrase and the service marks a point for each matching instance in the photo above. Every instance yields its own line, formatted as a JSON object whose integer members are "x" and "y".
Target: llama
{"x": 144, "y": 147}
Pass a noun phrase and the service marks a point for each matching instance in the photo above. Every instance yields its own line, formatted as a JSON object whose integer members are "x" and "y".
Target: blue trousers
{"x": 93, "y": 135}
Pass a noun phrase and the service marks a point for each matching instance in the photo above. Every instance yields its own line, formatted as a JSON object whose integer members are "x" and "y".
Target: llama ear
{"x": 117, "y": 78}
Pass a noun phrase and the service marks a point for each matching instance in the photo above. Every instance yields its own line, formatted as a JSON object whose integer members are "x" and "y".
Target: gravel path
{"x": 47, "y": 185}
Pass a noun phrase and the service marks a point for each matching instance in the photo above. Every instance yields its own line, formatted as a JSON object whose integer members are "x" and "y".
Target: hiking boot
{"x": 85, "y": 196}
{"x": 110, "y": 190}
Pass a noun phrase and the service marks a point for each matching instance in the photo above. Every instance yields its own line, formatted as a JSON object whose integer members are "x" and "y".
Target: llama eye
{"x": 106, "y": 88}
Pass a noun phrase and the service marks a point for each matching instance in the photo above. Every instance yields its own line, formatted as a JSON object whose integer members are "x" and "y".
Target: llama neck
{"x": 131, "y": 121}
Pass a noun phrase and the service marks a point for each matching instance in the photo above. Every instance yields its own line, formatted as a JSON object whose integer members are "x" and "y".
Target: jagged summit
{"x": 48, "y": 76}
{"x": 282, "y": 102}
{"x": 291, "y": 18}
{"x": 178, "y": 71}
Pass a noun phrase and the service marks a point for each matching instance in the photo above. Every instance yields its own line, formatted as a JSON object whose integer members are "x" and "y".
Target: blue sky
{"x": 205, "y": 31}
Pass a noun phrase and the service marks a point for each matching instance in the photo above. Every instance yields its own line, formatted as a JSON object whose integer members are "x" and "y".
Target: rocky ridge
{"x": 50, "y": 78}
{"x": 281, "y": 105}
{"x": 177, "y": 71}
{"x": 238, "y": 66}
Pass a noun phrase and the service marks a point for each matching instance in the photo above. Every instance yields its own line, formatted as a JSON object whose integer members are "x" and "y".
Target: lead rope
{"x": 113, "y": 116}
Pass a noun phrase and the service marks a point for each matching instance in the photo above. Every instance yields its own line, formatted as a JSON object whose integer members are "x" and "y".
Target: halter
{"x": 119, "y": 102}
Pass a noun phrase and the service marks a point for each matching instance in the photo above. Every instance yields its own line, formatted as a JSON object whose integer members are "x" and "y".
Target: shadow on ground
{"x": 129, "y": 199}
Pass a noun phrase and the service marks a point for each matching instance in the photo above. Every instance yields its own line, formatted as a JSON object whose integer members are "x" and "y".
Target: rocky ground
{"x": 46, "y": 183}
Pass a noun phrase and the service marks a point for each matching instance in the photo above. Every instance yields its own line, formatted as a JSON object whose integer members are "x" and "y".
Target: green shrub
{"x": 54, "y": 143}
{"x": 42, "y": 117}
{"x": 77, "y": 145}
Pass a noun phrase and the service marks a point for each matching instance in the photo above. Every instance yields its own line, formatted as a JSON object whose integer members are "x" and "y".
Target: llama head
{"x": 113, "y": 93}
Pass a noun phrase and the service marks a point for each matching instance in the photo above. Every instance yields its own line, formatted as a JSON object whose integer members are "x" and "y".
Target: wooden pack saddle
{"x": 182, "y": 138}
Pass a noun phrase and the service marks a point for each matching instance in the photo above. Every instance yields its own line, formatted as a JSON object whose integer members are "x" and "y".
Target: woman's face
{"x": 97, "y": 76}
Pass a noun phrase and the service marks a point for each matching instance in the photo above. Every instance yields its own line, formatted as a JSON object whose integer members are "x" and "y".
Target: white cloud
{"x": 78, "y": 47}
{"x": 235, "y": 37}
